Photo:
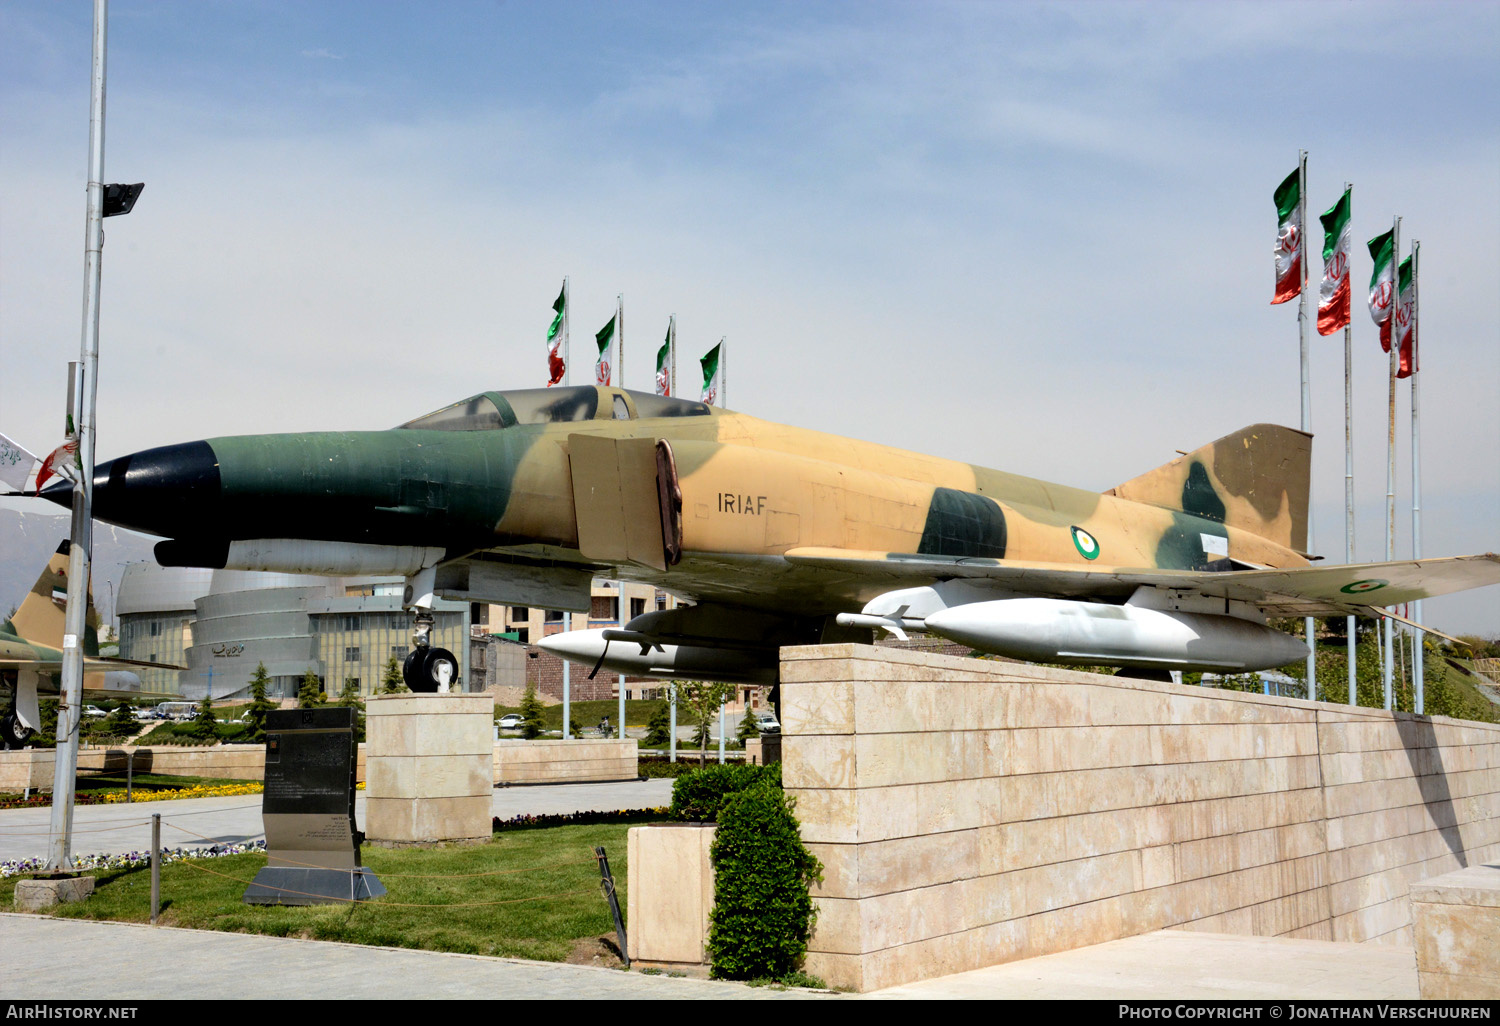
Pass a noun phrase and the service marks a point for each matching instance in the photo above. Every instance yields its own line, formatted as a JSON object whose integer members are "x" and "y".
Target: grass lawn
{"x": 543, "y": 900}
{"x": 588, "y": 714}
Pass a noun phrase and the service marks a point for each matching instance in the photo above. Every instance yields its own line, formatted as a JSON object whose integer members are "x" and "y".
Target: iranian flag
{"x": 713, "y": 375}
{"x": 61, "y": 462}
{"x": 1382, "y": 285}
{"x": 557, "y": 335}
{"x": 664, "y": 360}
{"x": 1406, "y": 321}
{"x": 605, "y": 366}
{"x": 1288, "y": 239}
{"x": 1333, "y": 294}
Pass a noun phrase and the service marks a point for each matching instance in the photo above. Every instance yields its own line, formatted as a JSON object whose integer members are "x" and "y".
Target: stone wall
{"x": 558, "y": 762}
{"x": 970, "y": 812}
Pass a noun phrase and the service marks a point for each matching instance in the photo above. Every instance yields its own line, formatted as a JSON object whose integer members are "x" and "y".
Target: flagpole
{"x": 1350, "y": 623}
{"x": 620, "y": 345}
{"x": 70, "y": 706}
{"x": 1388, "y": 666}
{"x": 723, "y": 373}
{"x": 672, "y": 358}
{"x": 1312, "y": 639}
{"x": 567, "y": 353}
{"x": 1416, "y": 486}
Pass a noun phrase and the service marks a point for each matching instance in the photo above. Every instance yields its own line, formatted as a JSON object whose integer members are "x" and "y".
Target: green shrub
{"x": 699, "y": 796}
{"x": 763, "y": 915}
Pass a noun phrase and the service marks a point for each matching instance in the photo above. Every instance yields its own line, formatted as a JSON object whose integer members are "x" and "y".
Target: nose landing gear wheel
{"x": 12, "y": 733}
{"x": 427, "y": 669}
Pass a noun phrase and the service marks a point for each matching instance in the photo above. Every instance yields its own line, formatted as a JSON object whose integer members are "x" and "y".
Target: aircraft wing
{"x": 1298, "y": 591}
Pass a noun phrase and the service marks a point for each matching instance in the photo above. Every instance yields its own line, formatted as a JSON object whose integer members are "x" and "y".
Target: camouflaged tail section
{"x": 1256, "y": 480}
{"x": 41, "y": 616}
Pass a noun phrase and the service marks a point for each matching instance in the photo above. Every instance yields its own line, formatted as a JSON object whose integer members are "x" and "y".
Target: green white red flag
{"x": 1382, "y": 284}
{"x": 1288, "y": 239}
{"x": 1406, "y": 321}
{"x": 713, "y": 375}
{"x": 664, "y": 359}
{"x": 604, "y": 367}
{"x": 557, "y": 337}
{"x": 61, "y": 462}
{"x": 1333, "y": 293}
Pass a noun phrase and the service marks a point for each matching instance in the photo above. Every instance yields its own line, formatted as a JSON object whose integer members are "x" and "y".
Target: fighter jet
{"x": 771, "y": 535}
{"x": 31, "y": 654}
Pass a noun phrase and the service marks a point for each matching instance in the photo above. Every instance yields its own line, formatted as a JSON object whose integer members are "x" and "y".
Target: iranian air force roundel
{"x": 1362, "y": 586}
{"x": 1087, "y": 545}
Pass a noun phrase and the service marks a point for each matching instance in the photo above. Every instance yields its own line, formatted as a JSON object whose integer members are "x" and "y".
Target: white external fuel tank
{"x": 1064, "y": 631}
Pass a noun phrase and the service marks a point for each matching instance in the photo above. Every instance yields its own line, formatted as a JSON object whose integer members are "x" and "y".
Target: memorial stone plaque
{"x": 312, "y": 845}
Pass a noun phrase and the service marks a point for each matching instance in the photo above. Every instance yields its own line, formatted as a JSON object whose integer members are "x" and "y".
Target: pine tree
{"x": 531, "y": 713}
{"x": 311, "y": 695}
{"x": 205, "y": 723}
{"x": 659, "y": 729}
{"x": 748, "y": 726}
{"x": 349, "y": 699}
{"x": 255, "y": 715}
{"x": 390, "y": 682}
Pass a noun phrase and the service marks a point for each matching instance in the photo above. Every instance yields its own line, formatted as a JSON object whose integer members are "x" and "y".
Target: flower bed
{"x": 132, "y": 859}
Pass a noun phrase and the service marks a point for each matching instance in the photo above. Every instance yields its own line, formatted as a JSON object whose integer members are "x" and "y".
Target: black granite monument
{"x": 308, "y": 809}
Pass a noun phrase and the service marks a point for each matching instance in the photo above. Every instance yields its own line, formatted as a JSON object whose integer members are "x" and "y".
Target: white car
{"x": 512, "y": 721}
{"x": 767, "y": 723}
{"x": 94, "y": 710}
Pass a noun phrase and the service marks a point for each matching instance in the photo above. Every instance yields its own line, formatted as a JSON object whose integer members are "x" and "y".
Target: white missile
{"x": 1061, "y": 631}
{"x": 636, "y": 655}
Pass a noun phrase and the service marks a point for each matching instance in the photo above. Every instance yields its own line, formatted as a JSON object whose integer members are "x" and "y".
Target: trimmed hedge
{"x": 763, "y": 915}
{"x": 699, "y": 796}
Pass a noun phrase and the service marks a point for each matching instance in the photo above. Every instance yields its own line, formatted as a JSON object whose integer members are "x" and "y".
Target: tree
{"x": 121, "y": 722}
{"x": 311, "y": 695}
{"x": 349, "y": 699}
{"x": 255, "y": 715}
{"x": 748, "y": 727}
{"x": 531, "y": 713}
{"x": 659, "y": 729}
{"x": 391, "y": 682}
{"x": 703, "y": 698}
{"x": 205, "y": 723}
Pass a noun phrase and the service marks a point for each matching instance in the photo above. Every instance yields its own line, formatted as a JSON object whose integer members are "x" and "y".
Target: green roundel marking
{"x": 1087, "y": 544}
{"x": 1359, "y": 586}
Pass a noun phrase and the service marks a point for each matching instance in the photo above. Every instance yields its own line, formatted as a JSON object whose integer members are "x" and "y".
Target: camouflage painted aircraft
{"x": 773, "y": 534}
{"x": 31, "y": 654}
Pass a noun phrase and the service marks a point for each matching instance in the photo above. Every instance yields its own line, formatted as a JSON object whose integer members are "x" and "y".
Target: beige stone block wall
{"x": 1456, "y": 928}
{"x": 969, "y": 812}
{"x": 571, "y": 761}
{"x": 429, "y": 765}
{"x": 669, "y": 893}
{"x": 27, "y": 767}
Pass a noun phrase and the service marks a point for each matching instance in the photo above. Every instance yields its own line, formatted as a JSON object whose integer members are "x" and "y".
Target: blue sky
{"x": 1035, "y": 237}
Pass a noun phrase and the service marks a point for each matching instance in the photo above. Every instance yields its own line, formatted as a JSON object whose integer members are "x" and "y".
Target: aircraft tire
{"x": 12, "y": 734}
{"x": 421, "y": 669}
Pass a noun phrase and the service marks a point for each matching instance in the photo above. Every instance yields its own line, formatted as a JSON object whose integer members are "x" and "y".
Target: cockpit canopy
{"x": 490, "y": 411}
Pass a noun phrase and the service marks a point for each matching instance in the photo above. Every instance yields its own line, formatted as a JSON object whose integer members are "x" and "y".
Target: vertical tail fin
{"x": 40, "y": 617}
{"x": 1256, "y": 479}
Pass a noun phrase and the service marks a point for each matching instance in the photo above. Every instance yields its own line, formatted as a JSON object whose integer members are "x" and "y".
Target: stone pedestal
{"x": 670, "y": 892}
{"x": 35, "y": 895}
{"x": 429, "y": 763}
{"x": 1456, "y": 920}
{"x": 27, "y": 767}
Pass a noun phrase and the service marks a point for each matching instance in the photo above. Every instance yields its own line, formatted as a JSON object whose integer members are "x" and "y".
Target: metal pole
{"x": 672, "y": 744}
{"x": 1350, "y": 624}
{"x": 1308, "y": 625}
{"x": 721, "y": 733}
{"x": 567, "y": 351}
{"x": 567, "y": 682}
{"x": 620, "y": 341}
{"x": 620, "y": 710}
{"x": 60, "y": 854}
{"x": 672, "y": 358}
{"x": 155, "y": 867}
{"x": 1390, "y": 471}
{"x": 1417, "y": 661}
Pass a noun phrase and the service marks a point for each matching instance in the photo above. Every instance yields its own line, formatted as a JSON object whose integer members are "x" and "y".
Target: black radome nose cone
{"x": 173, "y": 491}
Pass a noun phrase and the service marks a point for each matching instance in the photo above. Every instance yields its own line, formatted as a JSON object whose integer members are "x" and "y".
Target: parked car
{"x": 512, "y": 721}
{"x": 94, "y": 710}
{"x": 767, "y": 723}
